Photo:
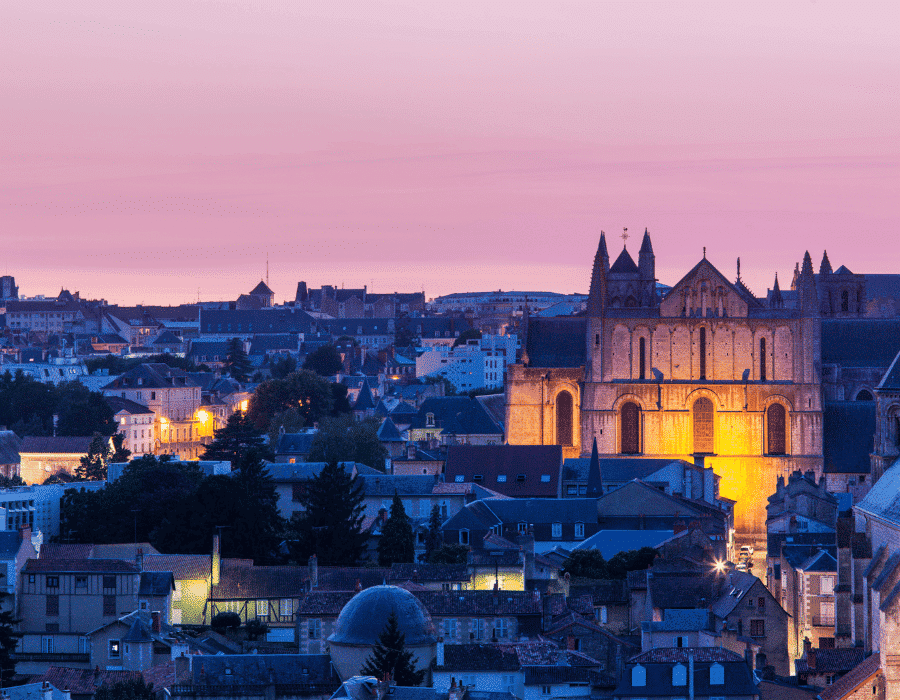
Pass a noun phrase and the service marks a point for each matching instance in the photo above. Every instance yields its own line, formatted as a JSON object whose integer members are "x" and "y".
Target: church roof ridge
{"x": 624, "y": 263}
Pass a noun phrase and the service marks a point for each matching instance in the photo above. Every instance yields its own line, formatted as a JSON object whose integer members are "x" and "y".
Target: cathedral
{"x": 703, "y": 371}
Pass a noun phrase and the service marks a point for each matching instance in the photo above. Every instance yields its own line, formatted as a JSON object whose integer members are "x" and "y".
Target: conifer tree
{"x": 8, "y": 639}
{"x": 331, "y": 524}
{"x": 237, "y": 362}
{"x": 93, "y": 464}
{"x": 434, "y": 539}
{"x": 397, "y": 541}
{"x": 237, "y": 441}
{"x": 390, "y": 656}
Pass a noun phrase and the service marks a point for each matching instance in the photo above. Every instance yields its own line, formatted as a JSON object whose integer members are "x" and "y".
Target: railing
{"x": 823, "y": 620}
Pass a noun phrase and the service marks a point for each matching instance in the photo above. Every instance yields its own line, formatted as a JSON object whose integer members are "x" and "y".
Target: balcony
{"x": 823, "y": 620}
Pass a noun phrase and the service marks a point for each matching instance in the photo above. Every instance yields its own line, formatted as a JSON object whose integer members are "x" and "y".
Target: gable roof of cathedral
{"x": 737, "y": 287}
{"x": 262, "y": 288}
{"x": 624, "y": 264}
{"x": 842, "y": 270}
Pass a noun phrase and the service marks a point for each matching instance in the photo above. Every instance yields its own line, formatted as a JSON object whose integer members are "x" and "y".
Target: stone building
{"x": 707, "y": 373}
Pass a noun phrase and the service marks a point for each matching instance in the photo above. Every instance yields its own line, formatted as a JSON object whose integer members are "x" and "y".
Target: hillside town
{"x": 658, "y": 488}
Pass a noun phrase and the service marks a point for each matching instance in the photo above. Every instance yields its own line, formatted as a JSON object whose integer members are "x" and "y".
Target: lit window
{"x": 115, "y": 649}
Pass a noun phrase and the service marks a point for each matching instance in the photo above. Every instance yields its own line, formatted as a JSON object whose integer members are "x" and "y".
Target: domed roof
{"x": 364, "y": 617}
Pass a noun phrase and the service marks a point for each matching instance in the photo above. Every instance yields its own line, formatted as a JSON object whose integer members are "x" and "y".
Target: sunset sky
{"x": 154, "y": 151}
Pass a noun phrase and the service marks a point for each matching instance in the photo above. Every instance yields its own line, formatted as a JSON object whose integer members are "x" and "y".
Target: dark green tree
{"x": 225, "y": 621}
{"x": 390, "y": 657}
{"x": 119, "y": 453}
{"x": 434, "y": 538}
{"x": 237, "y": 363}
{"x": 331, "y": 524}
{"x": 290, "y": 421}
{"x": 8, "y": 639}
{"x": 82, "y": 412}
{"x": 346, "y": 440}
{"x": 132, "y": 689}
{"x": 237, "y": 440}
{"x": 466, "y": 336}
{"x": 283, "y": 366}
{"x": 586, "y": 563}
{"x": 397, "y": 543}
{"x": 93, "y": 464}
{"x": 7, "y": 482}
{"x": 305, "y": 391}
{"x": 326, "y": 361}
{"x": 449, "y": 554}
{"x": 632, "y": 560}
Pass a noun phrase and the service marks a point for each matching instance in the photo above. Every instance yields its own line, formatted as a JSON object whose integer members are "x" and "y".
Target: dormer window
{"x": 717, "y": 674}
{"x": 429, "y": 420}
{"x": 520, "y": 478}
{"x": 638, "y": 676}
{"x": 501, "y": 478}
{"x": 679, "y": 674}
{"x": 478, "y": 478}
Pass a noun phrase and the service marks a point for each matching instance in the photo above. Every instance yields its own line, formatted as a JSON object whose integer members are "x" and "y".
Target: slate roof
{"x": 601, "y": 591}
{"x": 849, "y": 436}
{"x": 326, "y": 603}
{"x": 159, "y": 583}
{"x": 680, "y": 620}
{"x": 118, "y": 404}
{"x": 62, "y": 566}
{"x": 344, "y": 578}
{"x": 673, "y": 655}
{"x": 614, "y": 469}
{"x": 402, "y": 484}
{"x": 152, "y": 375}
{"x": 388, "y": 432}
{"x": 844, "y": 686}
{"x": 184, "y": 567}
{"x": 538, "y": 464}
{"x": 167, "y": 338}
{"x": 611, "y": 542}
{"x": 262, "y": 321}
{"x": 511, "y": 511}
{"x": 479, "y": 657}
{"x": 209, "y": 348}
{"x": 429, "y": 572}
{"x": 456, "y": 415}
{"x": 891, "y": 379}
{"x": 10, "y": 541}
{"x": 47, "y": 445}
{"x": 883, "y": 499}
{"x": 295, "y": 443}
{"x": 480, "y": 603}
{"x": 819, "y": 562}
{"x": 860, "y": 342}
{"x": 556, "y": 342}
{"x": 261, "y": 288}
{"x": 550, "y": 675}
{"x": 260, "y": 344}
{"x": 364, "y": 400}
{"x": 9, "y": 447}
{"x": 263, "y": 670}
{"x": 624, "y": 264}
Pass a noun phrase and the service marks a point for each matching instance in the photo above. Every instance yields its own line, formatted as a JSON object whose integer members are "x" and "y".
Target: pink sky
{"x": 151, "y": 150}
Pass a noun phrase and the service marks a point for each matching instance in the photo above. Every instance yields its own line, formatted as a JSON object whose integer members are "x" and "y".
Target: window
{"x": 703, "y": 354}
{"x": 757, "y": 628}
{"x": 638, "y": 676}
{"x": 679, "y": 674}
{"x": 703, "y": 426}
{"x": 717, "y": 674}
{"x": 109, "y": 582}
{"x": 545, "y": 478}
{"x": 545, "y": 690}
{"x": 478, "y": 629}
{"x": 579, "y": 531}
{"x": 262, "y": 609}
{"x": 47, "y": 645}
{"x": 52, "y": 605}
{"x": 449, "y": 629}
{"x": 53, "y": 582}
{"x": 572, "y": 490}
{"x": 680, "y": 642}
{"x": 429, "y": 420}
{"x": 501, "y": 478}
{"x": 845, "y": 300}
{"x": 762, "y": 359}
{"x": 500, "y": 629}
{"x": 826, "y": 585}
{"x": 314, "y": 629}
{"x": 602, "y": 614}
{"x": 522, "y": 528}
{"x": 478, "y": 478}
{"x": 564, "y": 418}
{"x": 109, "y": 605}
{"x": 775, "y": 429}
{"x": 557, "y": 530}
{"x": 84, "y": 645}
{"x": 459, "y": 478}
{"x": 115, "y": 649}
{"x": 630, "y": 426}
{"x": 464, "y": 537}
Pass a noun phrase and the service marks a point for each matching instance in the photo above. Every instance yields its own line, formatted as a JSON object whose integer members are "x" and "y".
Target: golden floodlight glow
{"x": 719, "y": 566}
{"x": 245, "y": 404}
{"x": 202, "y": 416}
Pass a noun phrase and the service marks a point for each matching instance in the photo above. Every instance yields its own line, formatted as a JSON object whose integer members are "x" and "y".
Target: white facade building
{"x": 37, "y": 506}
{"x": 479, "y": 364}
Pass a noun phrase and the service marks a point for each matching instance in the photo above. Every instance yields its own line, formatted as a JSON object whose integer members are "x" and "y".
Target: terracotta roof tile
{"x": 849, "y": 682}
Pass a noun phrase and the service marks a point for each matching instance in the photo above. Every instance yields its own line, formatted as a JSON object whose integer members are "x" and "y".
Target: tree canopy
{"x": 9, "y": 637}
{"x": 346, "y": 440}
{"x": 312, "y": 396}
{"x": 237, "y": 363}
{"x": 589, "y": 563}
{"x": 126, "y": 690}
{"x": 325, "y": 361}
{"x": 331, "y": 524}
{"x": 28, "y": 407}
{"x": 449, "y": 554}
{"x": 236, "y": 441}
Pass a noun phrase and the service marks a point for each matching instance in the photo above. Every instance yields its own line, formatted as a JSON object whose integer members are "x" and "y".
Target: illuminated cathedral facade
{"x": 704, "y": 371}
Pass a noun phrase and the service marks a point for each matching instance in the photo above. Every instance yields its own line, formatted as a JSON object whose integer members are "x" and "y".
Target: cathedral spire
{"x": 646, "y": 245}
{"x": 807, "y": 287}
{"x": 776, "y": 301}
{"x": 597, "y": 293}
{"x": 825, "y": 265}
{"x": 595, "y": 477}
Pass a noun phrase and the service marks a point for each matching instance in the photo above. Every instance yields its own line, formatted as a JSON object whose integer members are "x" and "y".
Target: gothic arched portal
{"x": 703, "y": 426}
{"x": 564, "y": 418}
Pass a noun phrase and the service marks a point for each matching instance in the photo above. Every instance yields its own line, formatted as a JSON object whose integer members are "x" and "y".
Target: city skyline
{"x": 161, "y": 152}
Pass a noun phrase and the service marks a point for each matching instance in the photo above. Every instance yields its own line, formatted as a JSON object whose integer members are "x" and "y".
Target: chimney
{"x": 565, "y": 584}
{"x": 811, "y": 659}
{"x": 313, "y": 566}
{"x": 139, "y": 559}
{"x": 439, "y": 658}
{"x": 216, "y": 561}
{"x": 570, "y": 642}
{"x": 182, "y": 668}
{"x": 156, "y": 627}
{"x": 807, "y": 647}
{"x": 46, "y": 691}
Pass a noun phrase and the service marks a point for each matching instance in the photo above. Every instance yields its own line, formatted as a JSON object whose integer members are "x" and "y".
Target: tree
{"x": 434, "y": 538}
{"x": 330, "y": 526}
{"x": 290, "y": 421}
{"x": 464, "y": 337}
{"x": 255, "y": 629}
{"x": 93, "y": 464}
{"x": 237, "y": 363}
{"x": 8, "y": 639}
{"x": 82, "y": 412}
{"x": 225, "y": 620}
{"x": 389, "y": 656}
{"x": 632, "y": 560}
{"x": 132, "y": 689}
{"x": 305, "y": 391}
{"x": 346, "y": 440}
{"x": 449, "y": 554}
{"x": 397, "y": 543}
{"x": 237, "y": 440}
{"x": 283, "y": 366}
{"x": 119, "y": 453}
{"x": 325, "y": 361}
{"x": 7, "y": 482}
{"x": 586, "y": 563}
